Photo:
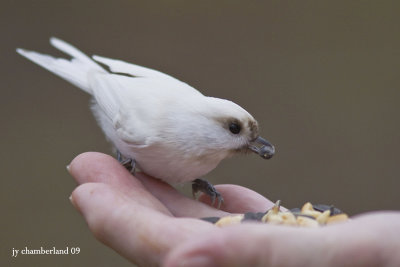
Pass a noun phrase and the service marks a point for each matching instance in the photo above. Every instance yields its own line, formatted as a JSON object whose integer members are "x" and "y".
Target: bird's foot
{"x": 129, "y": 164}
{"x": 207, "y": 188}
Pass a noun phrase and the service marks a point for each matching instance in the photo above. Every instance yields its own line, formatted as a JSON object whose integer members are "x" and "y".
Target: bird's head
{"x": 228, "y": 127}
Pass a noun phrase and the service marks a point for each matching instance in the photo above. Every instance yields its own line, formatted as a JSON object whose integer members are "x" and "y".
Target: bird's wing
{"x": 135, "y": 106}
{"x": 150, "y": 76}
{"x": 120, "y": 66}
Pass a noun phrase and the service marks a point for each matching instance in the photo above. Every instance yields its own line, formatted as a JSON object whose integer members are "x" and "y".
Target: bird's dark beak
{"x": 262, "y": 147}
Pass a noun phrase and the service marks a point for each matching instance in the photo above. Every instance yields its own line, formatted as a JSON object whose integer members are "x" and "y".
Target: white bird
{"x": 166, "y": 127}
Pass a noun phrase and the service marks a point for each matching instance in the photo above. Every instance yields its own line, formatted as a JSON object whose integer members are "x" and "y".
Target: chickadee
{"x": 163, "y": 126}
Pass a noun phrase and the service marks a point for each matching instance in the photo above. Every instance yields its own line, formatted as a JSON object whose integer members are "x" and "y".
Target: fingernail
{"x": 198, "y": 261}
{"x": 68, "y": 167}
{"x": 71, "y": 199}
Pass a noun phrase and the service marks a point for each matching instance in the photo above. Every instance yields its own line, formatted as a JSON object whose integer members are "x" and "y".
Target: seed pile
{"x": 308, "y": 216}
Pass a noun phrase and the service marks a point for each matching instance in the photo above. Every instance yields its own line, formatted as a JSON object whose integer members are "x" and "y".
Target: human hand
{"x": 151, "y": 224}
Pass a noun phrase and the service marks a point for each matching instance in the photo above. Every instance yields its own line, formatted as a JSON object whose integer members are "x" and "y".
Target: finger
{"x": 178, "y": 204}
{"x": 100, "y": 168}
{"x": 239, "y": 199}
{"x": 247, "y": 245}
{"x": 354, "y": 243}
{"x": 137, "y": 232}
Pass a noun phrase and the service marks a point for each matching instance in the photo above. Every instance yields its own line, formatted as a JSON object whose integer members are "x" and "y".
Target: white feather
{"x": 75, "y": 70}
{"x": 132, "y": 69}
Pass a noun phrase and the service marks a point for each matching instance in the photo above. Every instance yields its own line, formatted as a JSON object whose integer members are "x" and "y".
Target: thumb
{"x": 243, "y": 245}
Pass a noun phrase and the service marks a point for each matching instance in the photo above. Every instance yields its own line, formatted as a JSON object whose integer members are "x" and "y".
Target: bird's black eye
{"x": 234, "y": 128}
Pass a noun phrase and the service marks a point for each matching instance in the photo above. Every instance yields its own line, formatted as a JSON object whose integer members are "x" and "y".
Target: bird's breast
{"x": 172, "y": 165}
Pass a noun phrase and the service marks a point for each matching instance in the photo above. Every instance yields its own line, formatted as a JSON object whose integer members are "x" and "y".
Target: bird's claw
{"x": 129, "y": 164}
{"x": 207, "y": 188}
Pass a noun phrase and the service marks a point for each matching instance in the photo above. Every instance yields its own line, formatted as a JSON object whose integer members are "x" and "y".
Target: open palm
{"x": 150, "y": 223}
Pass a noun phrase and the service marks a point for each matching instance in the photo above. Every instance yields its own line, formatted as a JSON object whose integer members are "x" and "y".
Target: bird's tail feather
{"x": 75, "y": 70}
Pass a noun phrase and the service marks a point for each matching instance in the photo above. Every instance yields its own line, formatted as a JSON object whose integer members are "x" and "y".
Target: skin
{"x": 151, "y": 224}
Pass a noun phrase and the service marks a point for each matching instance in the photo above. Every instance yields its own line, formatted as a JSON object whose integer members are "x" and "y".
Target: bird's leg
{"x": 119, "y": 156}
{"x": 207, "y": 188}
{"x": 129, "y": 164}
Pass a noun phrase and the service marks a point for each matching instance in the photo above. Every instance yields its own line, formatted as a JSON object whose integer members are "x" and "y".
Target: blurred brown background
{"x": 322, "y": 80}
